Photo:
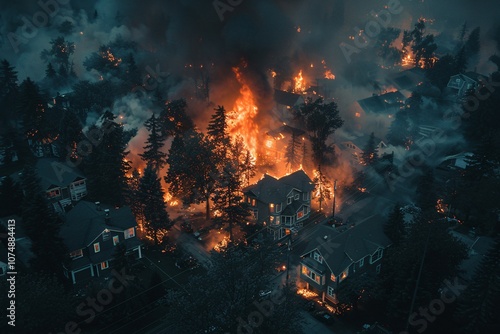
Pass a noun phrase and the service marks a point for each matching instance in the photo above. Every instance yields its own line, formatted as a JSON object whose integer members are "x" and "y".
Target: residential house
{"x": 91, "y": 233}
{"x": 461, "y": 83}
{"x": 386, "y": 104}
{"x": 334, "y": 254}
{"x": 61, "y": 182}
{"x": 277, "y": 141}
{"x": 352, "y": 149}
{"x": 282, "y": 205}
{"x": 284, "y": 102}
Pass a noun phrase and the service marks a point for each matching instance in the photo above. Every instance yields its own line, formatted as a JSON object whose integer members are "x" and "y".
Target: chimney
{"x": 98, "y": 206}
{"x": 106, "y": 216}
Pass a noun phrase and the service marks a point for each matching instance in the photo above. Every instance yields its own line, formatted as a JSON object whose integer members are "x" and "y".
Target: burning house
{"x": 279, "y": 139}
{"x": 282, "y": 205}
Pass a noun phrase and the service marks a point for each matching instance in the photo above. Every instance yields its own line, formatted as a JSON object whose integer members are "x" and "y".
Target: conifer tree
{"x": 395, "y": 227}
{"x": 369, "y": 157}
{"x": 323, "y": 188}
{"x": 477, "y": 308}
{"x": 292, "y": 154}
{"x": 152, "y": 151}
{"x": 151, "y": 195}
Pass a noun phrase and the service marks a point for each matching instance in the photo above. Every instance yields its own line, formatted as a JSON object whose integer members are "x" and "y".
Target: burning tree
{"x": 323, "y": 188}
{"x": 60, "y": 53}
{"x": 152, "y": 154}
{"x": 174, "y": 120}
{"x": 321, "y": 121}
{"x": 292, "y": 155}
{"x": 217, "y": 132}
{"x": 369, "y": 157}
{"x": 151, "y": 195}
{"x": 422, "y": 46}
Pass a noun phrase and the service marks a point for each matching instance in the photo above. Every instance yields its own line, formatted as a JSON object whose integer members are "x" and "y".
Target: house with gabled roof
{"x": 386, "y": 104}
{"x": 91, "y": 232}
{"x": 282, "y": 205}
{"x": 461, "y": 83}
{"x": 336, "y": 253}
{"x": 62, "y": 182}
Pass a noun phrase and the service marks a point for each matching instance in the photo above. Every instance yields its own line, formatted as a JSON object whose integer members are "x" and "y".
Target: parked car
{"x": 201, "y": 233}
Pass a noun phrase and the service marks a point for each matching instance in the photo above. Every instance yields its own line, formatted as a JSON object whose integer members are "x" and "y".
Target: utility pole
{"x": 288, "y": 257}
{"x": 333, "y": 211}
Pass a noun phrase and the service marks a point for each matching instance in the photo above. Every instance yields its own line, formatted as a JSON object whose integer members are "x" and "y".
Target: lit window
{"x": 116, "y": 240}
{"x": 97, "y": 247}
{"x": 344, "y": 274}
{"x": 104, "y": 265}
{"x": 253, "y": 202}
{"x": 300, "y": 214}
{"x": 306, "y": 271}
{"x": 332, "y": 278}
{"x": 361, "y": 262}
{"x": 76, "y": 254}
{"x": 129, "y": 233}
{"x": 271, "y": 208}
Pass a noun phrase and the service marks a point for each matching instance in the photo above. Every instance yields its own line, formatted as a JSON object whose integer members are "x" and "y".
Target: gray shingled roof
{"x": 341, "y": 249}
{"x": 53, "y": 173}
{"x": 285, "y": 98}
{"x": 381, "y": 103}
{"x": 272, "y": 190}
{"x": 84, "y": 223}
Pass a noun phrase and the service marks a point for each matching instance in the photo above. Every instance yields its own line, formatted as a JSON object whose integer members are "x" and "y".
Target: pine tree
{"x": 70, "y": 133}
{"x": 133, "y": 75}
{"x": 369, "y": 157}
{"x": 32, "y": 107}
{"x": 217, "y": 132}
{"x": 292, "y": 154}
{"x": 399, "y": 129}
{"x": 151, "y": 195}
{"x": 42, "y": 226}
{"x": 60, "y": 52}
{"x": 10, "y": 197}
{"x": 473, "y": 44}
{"x": 50, "y": 72}
{"x": 152, "y": 151}
{"x": 426, "y": 190}
{"x": 107, "y": 166}
{"x": 477, "y": 308}
{"x": 174, "y": 119}
{"x": 192, "y": 169}
{"x": 132, "y": 195}
{"x": 461, "y": 61}
{"x": 395, "y": 227}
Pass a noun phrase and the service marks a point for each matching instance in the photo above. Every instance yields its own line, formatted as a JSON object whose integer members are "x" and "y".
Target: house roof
{"x": 381, "y": 103}
{"x": 53, "y": 173}
{"x": 361, "y": 141}
{"x": 342, "y": 248}
{"x": 272, "y": 190}
{"x": 84, "y": 223}
{"x": 286, "y": 98}
{"x": 285, "y": 129}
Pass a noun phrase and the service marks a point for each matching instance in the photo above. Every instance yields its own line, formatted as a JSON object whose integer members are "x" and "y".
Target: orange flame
{"x": 329, "y": 75}
{"x": 242, "y": 119}
{"x": 300, "y": 83}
